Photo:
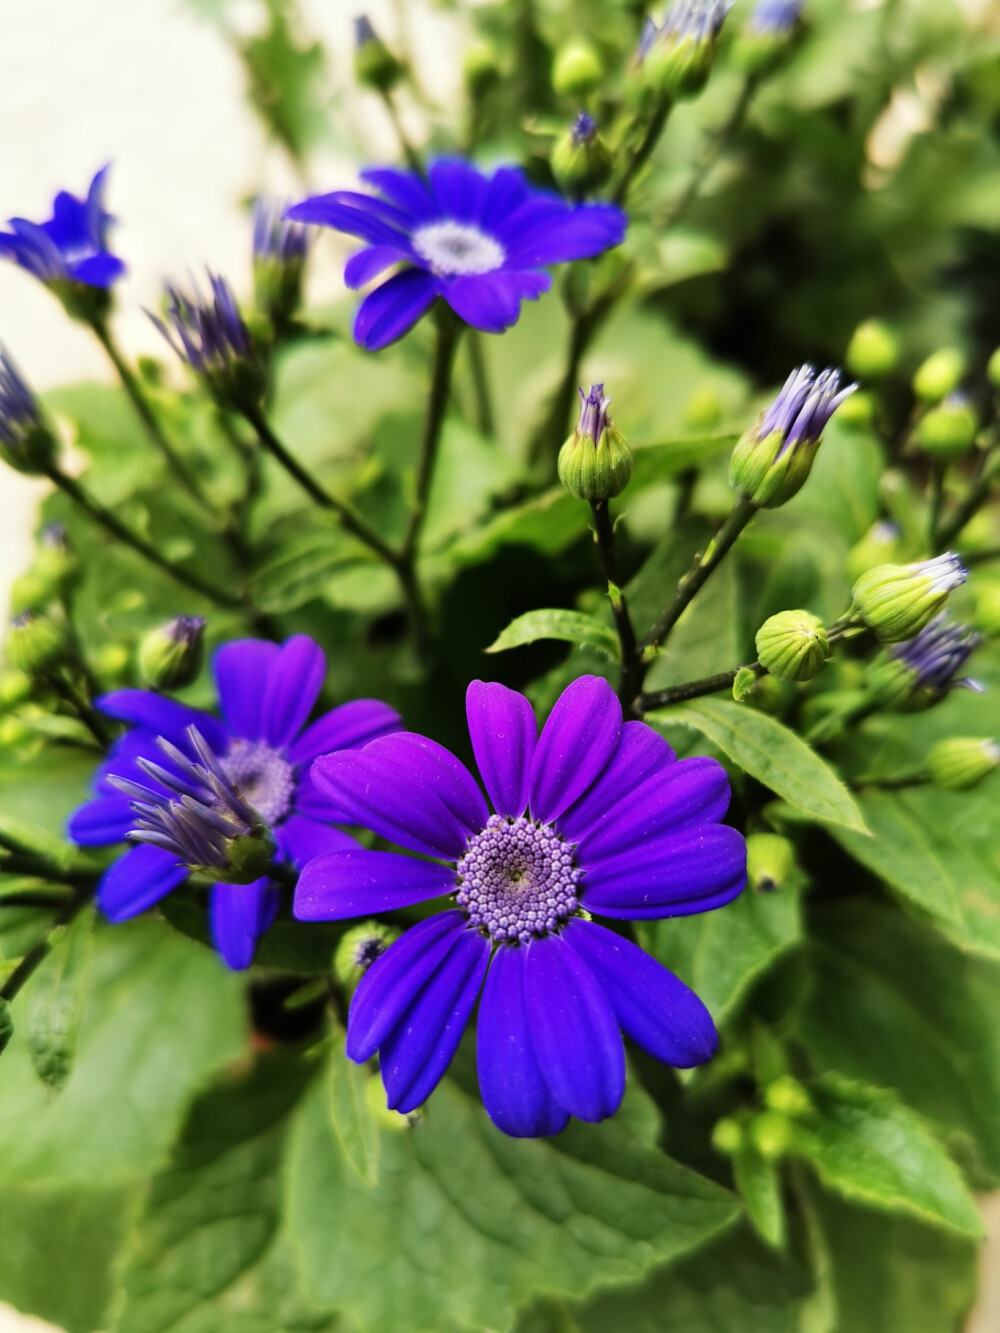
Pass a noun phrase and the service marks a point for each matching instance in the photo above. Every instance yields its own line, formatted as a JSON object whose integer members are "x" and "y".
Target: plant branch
{"x": 448, "y": 331}
{"x": 694, "y": 689}
{"x": 631, "y": 665}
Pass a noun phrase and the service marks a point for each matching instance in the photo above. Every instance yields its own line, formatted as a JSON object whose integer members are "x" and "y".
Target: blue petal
{"x": 692, "y": 871}
{"x": 392, "y": 309}
{"x": 575, "y": 746}
{"x": 641, "y": 754}
{"x": 342, "y": 884}
{"x": 460, "y": 190}
{"x": 137, "y": 880}
{"x": 492, "y": 301}
{"x": 653, "y": 1006}
{"x": 100, "y": 270}
{"x": 356, "y": 214}
{"x": 513, "y": 1088}
{"x": 166, "y": 717}
{"x": 300, "y": 838}
{"x": 100, "y": 822}
{"x": 574, "y": 1030}
{"x": 403, "y": 188}
{"x": 239, "y": 915}
{"x": 587, "y": 231}
{"x": 689, "y": 792}
{"x": 504, "y": 733}
{"x": 508, "y": 190}
{"x": 345, "y": 728}
{"x": 242, "y": 669}
{"x": 293, "y": 685}
{"x": 367, "y": 264}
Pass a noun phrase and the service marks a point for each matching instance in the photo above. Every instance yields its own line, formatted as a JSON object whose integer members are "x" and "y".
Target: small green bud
{"x": 939, "y": 375}
{"x": 858, "y": 412}
{"x": 358, "y": 949}
{"x": 993, "y": 369}
{"x": 581, "y": 161}
{"x": 771, "y": 1134}
{"x": 793, "y": 645}
{"x": 30, "y": 592}
{"x": 171, "y": 656}
{"x": 873, "y": 350}
{"x": 374, "y": 64}
{"x": 987, "y": 600}
{"x": 948, "y": 430}
{"x": 897, "y": 601}
{"x": 770, "y": 861}
{"x": 703, "y": 410}
{"x": 960, "y": 762}
{"x": 481, "y": 68}
{"x": 15, "y": 688}
{"x": 595, "y": 463}
{"x": 675, "y": 60}
{"x": 57, "y": 561}
{"x": 877, "y": 547}
{"x": 35, "y": 644}
{"x": 787, "y": 1096}
{"x": 727, "y": 1136}
{"x": 111, "y": 662}
{"x": 577, "y": 69}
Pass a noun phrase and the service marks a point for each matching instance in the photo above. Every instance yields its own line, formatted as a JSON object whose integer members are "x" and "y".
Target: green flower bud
{"x": 581, "y": 161}
{"x": 36, "y": 644}
{"x": 481, "y": 68}
{"x": 993, "y": 369}
{"x": 939, "y": 375}
{"x": 15, "y": 688}
{"x": 703, "y": 410}
{"x": 787, "y": 1096}
{"x": 793, "y": 645}
{"x": 877, "y": 547}
{"x": 595, "y": 463}
{"x": 14, "y": 733}
{"x": 111, "y": 662}
{"x": 170, "y": 656}
{"x": 675, "y": 60}
{"x": 873, "y": 350}
{"x": 358, "y": 949}
{"x": 30, "y": 592}
{"x": 374, "y": 64}
{"x": 577, "y": 69}
{"x": 897, "y": 601}
{"x": 727, "y": 1136}
{"x": 57, "y": 562}
{"x": 771, "y": 1134}
{"x": 26, "y": 443}
{"x": 960, "y": 762}
{"x": 858, "y": 412}
{"x": 770, "y": 861}
{"x": 948, "y": 430}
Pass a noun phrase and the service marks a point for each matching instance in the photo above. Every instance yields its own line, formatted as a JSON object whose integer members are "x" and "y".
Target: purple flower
{"x": 775, "y": 18}
{"x": 210, "y": 335}
{"x": 71, "y": 246}
{"x": 591, "y": 816}
{"x": 479, "y": 242}
{"x": 936, "y": 655}
{"x": 266, "y": 694}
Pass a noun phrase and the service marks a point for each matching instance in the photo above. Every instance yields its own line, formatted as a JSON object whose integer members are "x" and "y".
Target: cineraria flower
{"x": 590, "y": 816}
{"x": 479, "y": 242}
{"x": 212, "y": 338}
{"x": 920, "y": 672}
{"x": 266, "y": 694}
{"x": 71, "y": 246}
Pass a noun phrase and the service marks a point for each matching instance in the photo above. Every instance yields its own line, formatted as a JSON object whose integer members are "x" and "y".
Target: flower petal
{"x": 459, "y": 190}
{"x": 584, "y": 232}
{"x": 641, "y": 753}
{"x": 137, "y": 880}
{"x": 574, "y": 1030}
{"x": 355, "y": 214}
{"x": 577, "y": 741}
{"x": 513, "y": 1088}
{"x": 392, "y": 309}
{"x": 689, "y": 792}
{"x": 403, "y": 188}
{"x": 507, "y": 191}
{"x": 504, "y": 732}
{"x": 239, "y": 915}
{"x": 692, "y": 871}
{"x": 293, "y": 686}
{"x": 99, "y": 270}
{"x": 100, "y": 822}
{"x": 242, "y": 669}
{"x": 345, "y": 728}
{"x": 163, "y": 716}
{"x": 492, "y": 301}
{"x": 300, "y": 838}
{"x": 367, "y": 264}
{"x": 654, "y": 1007}
{"x": 341, "y": 884}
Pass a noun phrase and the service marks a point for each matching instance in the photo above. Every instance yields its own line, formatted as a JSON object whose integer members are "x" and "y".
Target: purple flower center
{"x": 264, "y": 777}
{"x": 518, "y": 880}
{"x": 456, "y": 248}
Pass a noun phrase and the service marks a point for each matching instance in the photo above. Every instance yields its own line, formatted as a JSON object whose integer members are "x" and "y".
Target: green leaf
{"x": 870, "y": 1147}
{"x": 663, "y": 459}
{"x": 350, "y": 1113}
{"x": 553, "y": 623}
{"x": 767, "y": 750}
{"x": 549, "y": 523}
{"x": 6, "y": 1025}
{"x": 759, "y": 1184}
{"x": 286, "y": 81}
{"x": 466, "y": 1224}
{"x": 53, "y": 1002}
{"x": 743, "y": 682}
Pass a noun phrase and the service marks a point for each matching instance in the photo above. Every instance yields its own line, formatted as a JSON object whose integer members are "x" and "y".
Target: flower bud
{"x": 481, "y": 68}
{"x": 877, "y": 547}
{"x": 26, "y": 443}
{"x": 908, "y": 677}
{"x": 771, "y": 1134}
{"x": 280, "y": 248}
{"x": 793, "y": 645}
{"x": 770, "y": 861}
{"x": 35, "y": 644}
{"x": 359, "y": 948}
{"x": 939, "y": 375}
{"x": 595, "y": 463}
{"x": 787, "y": 1096}
{"x": 858, "y": 412}
{"x": 675, "y": 60}
{"x": 581, "y": 161}
{"x": 897, "y": 601}
{"x": 959, "y": 763}
{"x": 57, "y": 561}
{"x": 374, "y": 64}
{"x": 30, "y": 592}
{"x": 170, "y": 656}
{"x": 15, "y": 688}
{"x": 993, "y": 369}
{"x": 211, "y": 335}
{"x": 767, "y": 36}
{"x": 111, "y": 661}
{"x": 727, "y": 1136}
{"x": 873, "y": 350}
{"x": 576, "y": 70}
{"x": 948, "y": 430}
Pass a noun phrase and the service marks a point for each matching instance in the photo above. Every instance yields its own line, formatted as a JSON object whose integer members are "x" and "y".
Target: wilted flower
{"x": 71, "y": 247}
{"x": 210, "y": 335}
{"x": 478, "y": 242}
{"x": 26, "y": 443}
{"x": 897, "y": 601}
{"x": 591, "y": 816}
{"x": 676, "y": 57}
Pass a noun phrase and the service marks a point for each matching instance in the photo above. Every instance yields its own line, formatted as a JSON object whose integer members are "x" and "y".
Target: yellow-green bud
{"x": 939, "y": 375}
{"x": 770, "y": 861}
{"x": 793, "y": 645}
{"x": 877, "y": 547}
{"x": 374, "y": 64}
{"x": 358, "y": 949}
{"x": 481, "y": 68}
{"x": 727, "y": 1136}
{"x": 577, "y": 69}
{"x": 993, "y": 369}
{"x": 873, "y": 350}
{"x": 15, "y": 688}
{"x": 57, "y": 562}
{"x": 674, "y": 60}
{"x": 703, "y": 410}
{"x": 961, "y": 762}
{"x": 948, "y": 430}
{"x": 897, "y": 601}
{"x": 581, "y": 161}
{"x": 30, "y": 592}
{"x": 14, "y": 732}
{"x": 595, "y": 463}
{"x": 771, "y": 1134}
{"x": 35, "y": 644}
{"x": 170, "y": 656}
{"x": 787, "y": 1096}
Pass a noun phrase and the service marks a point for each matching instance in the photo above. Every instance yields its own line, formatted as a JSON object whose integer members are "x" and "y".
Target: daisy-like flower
{"x": 72, "y": 245}
{"x": 591, "y": 816}
{"x": 263, "y": 748}
{"x": 479, "y": 242}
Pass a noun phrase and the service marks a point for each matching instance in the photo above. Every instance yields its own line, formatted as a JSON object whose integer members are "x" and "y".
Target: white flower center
{"x": 455, "y": 248}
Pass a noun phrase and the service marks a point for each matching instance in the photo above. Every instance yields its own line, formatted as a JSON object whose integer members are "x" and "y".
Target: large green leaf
{"x": 553, "y": 623}
{"x": 767, "y": 750}
{"x": 53, "y": 1002}
{"x": 465, "y": 1224}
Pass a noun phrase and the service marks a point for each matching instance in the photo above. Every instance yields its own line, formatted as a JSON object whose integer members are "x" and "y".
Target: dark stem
{"x": 895, "y": 782}
{"x": 694, "y": 689}
{"x": 643, "y": 150}
{"x": 549, "y": 439}
{"x": 480, "y": 383}
{"x": 631, "y": 667}
{"x": 112, "y": 524}
{"x": 945, "y": 530}
{"x": 937, "y": 501}
{"x": 448, "y": 330}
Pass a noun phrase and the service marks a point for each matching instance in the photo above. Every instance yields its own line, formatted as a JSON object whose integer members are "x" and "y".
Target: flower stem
{"x": 945, "y": 530}
{"x": 631, "y": 666}
{"x": 713, "y": 151}
{"x": 413, "y": 159}
{"x": 480, "y": 383}
{"x": 695, "y": 689}
{"x": 448, "y": 331}
{"x": 643, "y": 150}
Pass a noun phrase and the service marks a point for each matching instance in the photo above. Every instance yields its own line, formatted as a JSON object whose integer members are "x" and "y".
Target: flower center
{"x": 518, "y": 879}
{"x": 455, "y": 248}
{"x": 264, "y": 777}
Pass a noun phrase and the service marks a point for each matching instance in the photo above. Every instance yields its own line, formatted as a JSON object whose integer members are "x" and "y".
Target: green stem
{"x": 945, "y": 530}
{"x": 448, "y": 331}
{"x": 480, "y": 383}
{"x": 937, "y": 502}
{"x": 413, "y": 159}
{"x": 631, "y": 666}
{"x": 678, "y": 694}
{"x": 79, "y": 701}
{"x": 643, "y": 150}
{"x": 895, "y": 782}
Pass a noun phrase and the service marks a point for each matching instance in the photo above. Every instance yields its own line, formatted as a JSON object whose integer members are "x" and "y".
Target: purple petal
{"x": 242, "y": 669}
{"x": 492, "y": 301}
{"x": 342, "y": 884}
{"x": 460, "y": 190}
{"x": 537, "y": 211}
{"x": 404, "y": 188}
{"x": 239, "y": 915}
{"x": 513, "y": 1088}
{"x": 392, "y": 309}
{"x": 356, "y": 214}
{"x": 100, "y": 822}
{"x": 163, "y": 716}
{"x": 392, "y": 983}
{"x": 99, "y": 270}
{"x": 677, "y": 875}
{"x": 689, "y": 792}
{"x": 300, "y": 838}
{"x": 367, "y": 264}
{"x": 577, "y": 741}
{"x": 641, "y": 753}
{"x": 574, "y": 1030}
{"x": 137, "y": 880}
{"x": 345, "y": 728}
{"x": 587, "y": 231}
{"x": 504, "y": 733}
{"x": 507, "y": 191}
{"x": 293, "y": 686}
{"x": 654, "y": 1007}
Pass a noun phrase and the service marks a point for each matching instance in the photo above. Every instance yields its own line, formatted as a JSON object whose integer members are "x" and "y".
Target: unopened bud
{"x": 35, "y": 644}
{"x": 359, "y": 948}
{"x": 897, "y": 601}
{"x": 374, "y": 64}
{"x": 770, "y": 861}
{"x": 727, "y": 1136}
{"x": 675, "y": 59}
{"x": 481, "y": 68}
{"x": 793, "y": 645}
{"x": 993, "y": 369}
{"x": 939, "y": 375}
{"x": 959, "y": 762}
{"x": 581, "y": 161}
{"x": 787, "y": 1096}
{"x": 595, "y": 463}
{"x": 170, "y": 656}
{"x": 873, "y": 350}
{"x": 771, "y": 1134}
{"x": 57, "y": 561}
{"x": 703, "y": 410}
{"x": 576, "y": 70}
{"x": 877, "y": 547}
{"x": 948, "y": 430}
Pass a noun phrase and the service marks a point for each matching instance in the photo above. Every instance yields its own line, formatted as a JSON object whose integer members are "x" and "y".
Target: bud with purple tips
{"x": 581, "y": 160}
{"x": 897, "y": 601}
{"x": 960, "y": 763}
{"x": 211, "y": 336}
{"x": 767, "y": 35}
{"x": 26, "y": 442}
{"x": 170, "y": 656}
{"x": 280, "y": 248}
{"x": 675, "y": 58}
{"x": 595, "y": 463}
{"x": 911, "y": 676}
{"x": 772, "y": 461}
{"x": 374, "y": 64}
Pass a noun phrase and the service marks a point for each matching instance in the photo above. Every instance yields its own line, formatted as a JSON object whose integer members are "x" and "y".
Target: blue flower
{"x": 72, "y": 245}
{"x": 775, "y": 18}
{"x": 591, "y": 816}
{"x": 479, "y": 242}
{"x": 266, "y": 694}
